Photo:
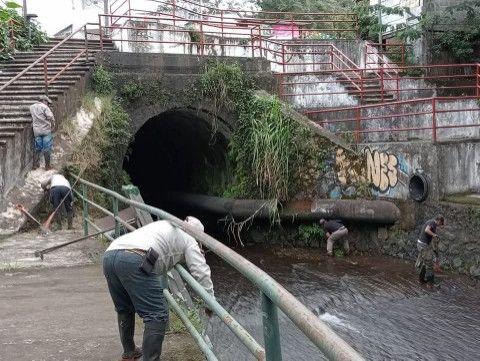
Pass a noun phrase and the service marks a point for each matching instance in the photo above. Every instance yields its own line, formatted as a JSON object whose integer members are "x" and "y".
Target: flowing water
{"x": 374, "y": 303}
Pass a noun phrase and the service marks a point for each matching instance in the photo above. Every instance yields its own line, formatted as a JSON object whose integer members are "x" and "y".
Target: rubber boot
{"x": 36, "y": 159}
{"x": 70, "y": 220}
{"x": 47, "y": 160}
{"x": 153, "y": 336}
{"x": 126, "y": 328}
{"x": 58, "y": 221}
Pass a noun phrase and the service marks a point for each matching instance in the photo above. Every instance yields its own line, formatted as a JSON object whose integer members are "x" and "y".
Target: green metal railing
{"x": 274, "y": 296}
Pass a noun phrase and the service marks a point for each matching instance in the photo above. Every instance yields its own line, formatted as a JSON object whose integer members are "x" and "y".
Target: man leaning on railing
{"x": 132, "y": 265}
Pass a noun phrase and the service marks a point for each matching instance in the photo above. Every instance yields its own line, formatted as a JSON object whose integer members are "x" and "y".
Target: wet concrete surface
{"x": 59, "y": 308}
{"x": 66, "y": 314}
{"x": 374, "y": 303}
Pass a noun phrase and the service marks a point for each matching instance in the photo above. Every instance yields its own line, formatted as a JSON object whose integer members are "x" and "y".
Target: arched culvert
{"x": 176, "y": 151}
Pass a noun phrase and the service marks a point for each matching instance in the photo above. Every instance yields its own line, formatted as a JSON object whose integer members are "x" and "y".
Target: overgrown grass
{"x": 268, "y": 150}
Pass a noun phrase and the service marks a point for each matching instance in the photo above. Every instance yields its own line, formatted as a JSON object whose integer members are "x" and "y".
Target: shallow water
{"x": 374, "y": 303}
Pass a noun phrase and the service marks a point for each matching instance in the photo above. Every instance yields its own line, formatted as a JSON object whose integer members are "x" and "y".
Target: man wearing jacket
{"x": 43, "y": 123}
{"x": 133, "y": 264}
{"x": 334, "y": 231}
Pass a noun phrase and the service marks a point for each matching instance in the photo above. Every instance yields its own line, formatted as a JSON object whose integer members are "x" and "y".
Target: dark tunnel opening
{"x": 176, "y": 152}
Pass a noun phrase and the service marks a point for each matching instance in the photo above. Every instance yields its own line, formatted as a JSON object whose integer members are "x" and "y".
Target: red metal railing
{"x": 391, "y": 52}
{"x": 424, "y": 115}
{"x": 48, "y": 77}
{"x": 386, "y": 85}
{"x": 300, "y": 25}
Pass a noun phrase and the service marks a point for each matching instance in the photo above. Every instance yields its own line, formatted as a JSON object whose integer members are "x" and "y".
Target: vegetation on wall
{"x": 101, "y": 153}
{"x": 269, "y": 150}
{"x": 14, "y": 31}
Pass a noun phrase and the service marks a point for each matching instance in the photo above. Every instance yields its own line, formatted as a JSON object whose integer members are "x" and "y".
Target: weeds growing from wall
{"x": 268, "y": 150}
{"x": 100, "y": 155}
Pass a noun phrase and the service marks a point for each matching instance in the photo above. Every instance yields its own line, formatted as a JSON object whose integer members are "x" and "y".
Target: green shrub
{"x": 309, "y": 233}
{"x": 102, "y": 81}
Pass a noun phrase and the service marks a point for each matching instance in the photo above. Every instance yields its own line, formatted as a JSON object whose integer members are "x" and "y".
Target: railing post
{"x": 271, "y": 333}
{"x": 115, "y": 215}
{"x": 252, "y": 37}
{"x": 45, "y": 74}
{"x": 478, "y": 81}
{"x": 357, "y": 124}
{"x": 283, "y": 57}
{"x": 434, "y": 120}
{"x": 85, "y": 209}
{"x": 222, "y": 47}
{"x": 100, "y": 31}
{"x": 382, "y": 87}
{"x": 362, "y": 84}
{"x": 202, "y": 40}
{"x": 331, "y": 57}
{"x": 86, "y": 43}
{"x": 280, "y": 85}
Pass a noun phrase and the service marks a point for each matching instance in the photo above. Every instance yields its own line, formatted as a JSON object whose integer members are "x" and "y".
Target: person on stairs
{"x": 43, "y": 123}
{"x": 60, "y": 191}
{"x": 133, "y": 265}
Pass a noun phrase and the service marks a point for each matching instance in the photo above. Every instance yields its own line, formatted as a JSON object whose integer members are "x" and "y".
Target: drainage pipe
{"x": 357, "y": 210}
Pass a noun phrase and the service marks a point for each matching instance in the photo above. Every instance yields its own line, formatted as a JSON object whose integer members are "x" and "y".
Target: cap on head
{"x": 195, "y": 222}
{"x": 322, "y": 221}
{"x": 440, "y": 219}
{"x": 44, "y": 98}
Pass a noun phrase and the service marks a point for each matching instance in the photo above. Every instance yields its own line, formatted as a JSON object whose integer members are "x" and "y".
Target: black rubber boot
{"x": 47, "y": 160}
{"x": 126, "y": 328}
{"x": 36, "y": 159}
{"x": 58, "y": 221}
{"x": 70, "y": 220}
{"x": 153, "y": 336}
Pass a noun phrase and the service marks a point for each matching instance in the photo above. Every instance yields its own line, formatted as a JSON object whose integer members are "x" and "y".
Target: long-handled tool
{"x": 22, "y": 209}
{"x": 40, "y": 253}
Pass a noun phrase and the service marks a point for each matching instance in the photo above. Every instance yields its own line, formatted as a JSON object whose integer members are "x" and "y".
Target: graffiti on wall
{"x": 382, "y": 170}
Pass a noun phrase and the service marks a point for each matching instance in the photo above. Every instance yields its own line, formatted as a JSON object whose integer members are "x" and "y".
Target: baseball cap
{"x": 195, "y": 222}
{"x": 45, "y": 98}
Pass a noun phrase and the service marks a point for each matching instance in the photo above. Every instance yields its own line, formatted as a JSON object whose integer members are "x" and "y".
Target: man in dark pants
{"x": 427, "y": 245}
{"x": 133, "y": 265}
{"x": 60, "y": 190}
{"x": 335, "y": 230}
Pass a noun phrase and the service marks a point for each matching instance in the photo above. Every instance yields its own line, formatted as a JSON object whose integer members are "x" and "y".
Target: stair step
{"x": 7, "y": 135}
{"x": 30, "y": 97}
{"x": 20, "y": 121}
{"x": 14, "y": 114}
{"x": 11, "y": 128}
{"x": 50, "y": 64}
{"x": 38, "y": 78}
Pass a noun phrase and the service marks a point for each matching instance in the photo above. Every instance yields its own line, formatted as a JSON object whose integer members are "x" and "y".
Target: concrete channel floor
{"x": 53, "y": 312}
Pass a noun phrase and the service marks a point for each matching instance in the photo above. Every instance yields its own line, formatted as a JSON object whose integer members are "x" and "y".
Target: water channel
{"x": 374, "y": 303}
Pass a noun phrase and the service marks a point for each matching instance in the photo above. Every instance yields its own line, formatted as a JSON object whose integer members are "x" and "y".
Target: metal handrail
{"x": 273, "y": 294}
{"x": 41, "y": 58}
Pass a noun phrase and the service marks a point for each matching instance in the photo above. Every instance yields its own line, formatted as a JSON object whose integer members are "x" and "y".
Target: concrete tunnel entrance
{"x": 175, "y": 152}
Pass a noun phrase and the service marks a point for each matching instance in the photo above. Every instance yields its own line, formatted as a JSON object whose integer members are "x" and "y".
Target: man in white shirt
{"x": 60, "y": 190}
{"x": 133, "y": 265}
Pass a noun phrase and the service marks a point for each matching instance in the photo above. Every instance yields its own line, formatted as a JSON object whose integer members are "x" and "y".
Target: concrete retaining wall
{"x": 451, "y": 168}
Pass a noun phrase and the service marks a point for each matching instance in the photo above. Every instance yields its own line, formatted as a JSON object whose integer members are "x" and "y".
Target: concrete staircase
{"x": 372, "y": 88}
{"x": 15, "y": 121}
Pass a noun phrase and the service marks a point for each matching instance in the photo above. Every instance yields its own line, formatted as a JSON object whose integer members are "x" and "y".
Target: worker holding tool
{"x": 427, "y": 245}
{"x": 43, "y": 123}
{"x": 60, "y": 195}
{"x": 133, "y": 265}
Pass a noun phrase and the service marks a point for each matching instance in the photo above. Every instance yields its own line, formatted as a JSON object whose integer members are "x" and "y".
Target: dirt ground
{"x": 53, "y": 312}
